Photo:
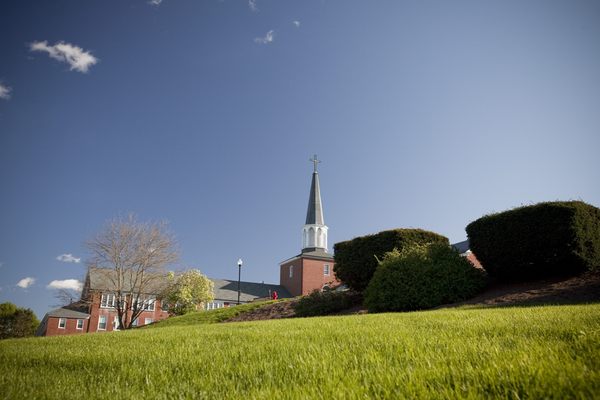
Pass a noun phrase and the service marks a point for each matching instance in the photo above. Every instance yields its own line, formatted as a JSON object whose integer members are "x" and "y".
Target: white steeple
{"x": 314, "y": 233}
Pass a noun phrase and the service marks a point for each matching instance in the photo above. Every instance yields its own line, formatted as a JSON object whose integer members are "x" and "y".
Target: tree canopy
{"x": 187, "y": 291}
{"x": 16, "y": 322}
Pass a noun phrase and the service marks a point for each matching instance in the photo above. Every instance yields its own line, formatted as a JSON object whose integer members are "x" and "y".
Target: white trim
{"x": 101, "y": 318}
{"x": 64, "y": 323}
{"x": 77, "y": 325}
{"x": 326, "y": 270}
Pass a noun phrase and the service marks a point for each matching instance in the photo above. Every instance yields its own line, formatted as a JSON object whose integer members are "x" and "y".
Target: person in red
{"x": 274, "y": 296}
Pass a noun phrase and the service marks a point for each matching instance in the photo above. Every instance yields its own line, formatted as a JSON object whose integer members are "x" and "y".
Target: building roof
{"x": 314, "y": 214}
{"x": 70, "y": 311}
{"x": 462, "y": 247}
{"x": 106, "y": 278}
{"x": 313, "y": 252}
{"x": 227, "y": 290}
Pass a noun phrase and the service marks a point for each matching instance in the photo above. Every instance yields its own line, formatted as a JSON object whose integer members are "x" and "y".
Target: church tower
{"x": 312, "y": 269}
{"x": 314, "y": 233}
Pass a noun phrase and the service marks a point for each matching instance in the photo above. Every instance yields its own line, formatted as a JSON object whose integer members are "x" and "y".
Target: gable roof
{"x": 105, "y": 278}
{"x": 462, "y": 247}
{"x": 227, "y": 290}
{"x": 65, "y": 312}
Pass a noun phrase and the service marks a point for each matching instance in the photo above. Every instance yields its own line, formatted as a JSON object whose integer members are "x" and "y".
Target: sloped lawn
{"x": 529, "y": 352}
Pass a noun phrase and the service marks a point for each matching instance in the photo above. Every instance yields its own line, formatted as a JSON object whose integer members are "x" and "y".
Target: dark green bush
{"x": 421, "y": 277}
{"x": 538, "y": 241}
{"x": 324, "y": 303}
{"x": 355, "y": 260}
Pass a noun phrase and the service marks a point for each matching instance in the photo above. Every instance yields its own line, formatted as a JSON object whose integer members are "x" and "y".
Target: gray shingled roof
{"x": 227, "y": 290}
{"x": 314, "y": 214}
{"x": 104, "y": 278}
{"x": 64, "y": 312}
{"x": 462, "y": 247}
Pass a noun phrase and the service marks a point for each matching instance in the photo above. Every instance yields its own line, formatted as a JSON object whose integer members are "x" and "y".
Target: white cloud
{"x": 68, "y": 258}
{"x": 268, "y": 38}
{"x": 297, "y": 23}
{"x": 252, "y": 5}
{"x": 5, "y": 92}
{"x": 75, "y": 56}
{"x": 26, "y": 282}
{"x": 155, "y": 2}
{"x": 72, "y": 284}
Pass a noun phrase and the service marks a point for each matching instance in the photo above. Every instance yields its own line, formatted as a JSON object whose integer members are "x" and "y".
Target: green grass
{"x": 210, "y": 317}
{"x": 521, "y": 352}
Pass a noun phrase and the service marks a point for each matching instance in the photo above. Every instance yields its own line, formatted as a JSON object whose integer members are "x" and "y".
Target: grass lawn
{"x": 526, "y": 352}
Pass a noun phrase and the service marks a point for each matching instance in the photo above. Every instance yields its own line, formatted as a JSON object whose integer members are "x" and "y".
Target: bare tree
{"x": 131, "y": 258}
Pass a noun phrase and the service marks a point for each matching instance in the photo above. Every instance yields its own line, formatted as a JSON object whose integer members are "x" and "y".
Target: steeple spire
{"x": 314, "y": 233}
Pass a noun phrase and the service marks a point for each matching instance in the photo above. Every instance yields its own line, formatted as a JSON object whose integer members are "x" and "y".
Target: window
{"x": 326, "y": 269}
{"x": 79, "y": 324}
{"x": 149, "y": 304}
{"x": 107, "y": 300}
{"x": 291, "y": 271}
{"x": 148, "y": 321}
{"x": 62, "y": 322}
{"x": 164, "y": 305}
{"x": 134, "y": 322}
{"x": 116, "y": 324}
{"x": 102, "y": 323}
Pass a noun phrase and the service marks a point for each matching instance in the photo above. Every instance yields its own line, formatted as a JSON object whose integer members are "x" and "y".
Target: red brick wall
{"x": 293, "y": 284}
{"x": 96, "y": 311}
{"x": 52, "y": 328}
{"x": 471, "y": 257}
{"x": 313, "y": 277}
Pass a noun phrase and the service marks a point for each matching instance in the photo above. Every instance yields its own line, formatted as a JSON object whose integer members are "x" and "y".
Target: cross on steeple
{"x": 315, "y": 161}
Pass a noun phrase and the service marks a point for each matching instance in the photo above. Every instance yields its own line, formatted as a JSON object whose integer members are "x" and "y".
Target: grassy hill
{"x": 508, "y": 352}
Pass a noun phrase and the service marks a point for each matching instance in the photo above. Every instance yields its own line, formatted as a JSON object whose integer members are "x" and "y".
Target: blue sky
{"x": 205, "y": 113}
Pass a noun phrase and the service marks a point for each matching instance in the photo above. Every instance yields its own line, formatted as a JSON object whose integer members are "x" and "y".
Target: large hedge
{"x": 356, "y": 259}
{"x": 538, "y": 241}
{"x": 324, "y": 303}
{"x": 421, "y": 277}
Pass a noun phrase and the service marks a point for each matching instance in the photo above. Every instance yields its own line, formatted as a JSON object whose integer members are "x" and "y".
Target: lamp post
{"x": 240, "y": 262}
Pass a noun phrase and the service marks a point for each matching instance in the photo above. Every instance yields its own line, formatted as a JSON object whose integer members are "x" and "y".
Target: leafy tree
{"x": 16, "y": 322}
{"x": 188, "y": 291}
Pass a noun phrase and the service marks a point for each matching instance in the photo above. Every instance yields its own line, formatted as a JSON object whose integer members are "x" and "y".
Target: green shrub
{"x": 420, "y": 277}
{"x": 538, "y": 241}
{"x": 356, "y": 259}
{"x": 324, "y": 303}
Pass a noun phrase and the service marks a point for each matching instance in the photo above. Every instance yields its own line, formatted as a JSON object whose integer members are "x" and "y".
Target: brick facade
{"x": 52, "y": 326}
{"x": 110, "y": 313}
{"x": 308, "y": 275}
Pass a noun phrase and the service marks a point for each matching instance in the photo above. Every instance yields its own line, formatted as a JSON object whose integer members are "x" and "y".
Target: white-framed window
{"x": 148, "y": 321}
{"x": 116, "y": 325}
{"x": 164, "y": 305}
{"x": 326, "y": 269}
{"x": 79, "y": 324}
{"x": 107, "y": 300}
{"x": 149, "y": 303}
{"x": 62, "y": 323}
{"x": 102, "y": 323}
{"x": 134, "y": 322}
{"x": 291, "y": 271}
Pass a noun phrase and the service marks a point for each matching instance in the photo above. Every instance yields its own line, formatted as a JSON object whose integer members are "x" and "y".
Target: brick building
{"x": 312, "y": 269}
{"x": 96, "y": 311}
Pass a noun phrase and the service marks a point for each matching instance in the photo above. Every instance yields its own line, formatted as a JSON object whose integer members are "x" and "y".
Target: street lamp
{"x": 240, "y": 262}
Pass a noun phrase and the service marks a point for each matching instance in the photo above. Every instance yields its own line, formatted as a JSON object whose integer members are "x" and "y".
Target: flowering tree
{"x": 187, "y": 291}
